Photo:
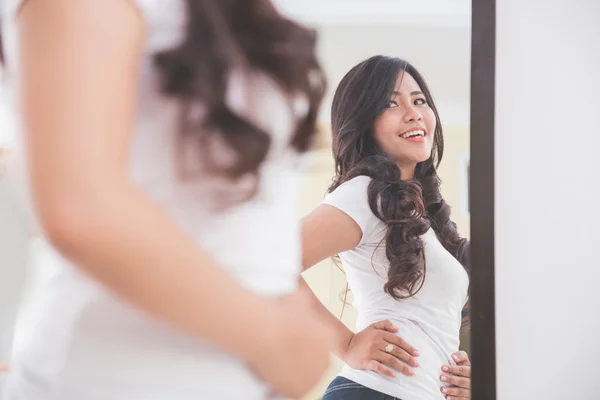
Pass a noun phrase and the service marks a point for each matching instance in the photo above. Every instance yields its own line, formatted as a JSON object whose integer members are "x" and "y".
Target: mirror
{"x": 435, "y": 37}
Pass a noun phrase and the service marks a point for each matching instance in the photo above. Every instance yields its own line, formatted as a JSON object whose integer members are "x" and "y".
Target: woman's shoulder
{"x": 358, "y": 183}
{"x": 351, "y": 195}
{"x": 352, "y": 198}
{"x": 146, "y": 7}
{"x": 165, "y": 19}
{"x": 353, "y": 191}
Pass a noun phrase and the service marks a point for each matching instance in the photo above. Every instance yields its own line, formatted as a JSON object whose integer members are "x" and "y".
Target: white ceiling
{"x": 455, "y": 13}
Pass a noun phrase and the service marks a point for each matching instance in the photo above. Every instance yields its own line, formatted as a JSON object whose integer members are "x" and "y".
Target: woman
{"x": 402, "y": 255}
{"x": 159, "y": 135}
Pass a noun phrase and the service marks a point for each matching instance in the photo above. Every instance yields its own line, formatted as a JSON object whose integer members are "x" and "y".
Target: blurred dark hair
{"x": 227, "y": 35}
{"x": 408, "y": 208}
{"x": 250, "y": 35}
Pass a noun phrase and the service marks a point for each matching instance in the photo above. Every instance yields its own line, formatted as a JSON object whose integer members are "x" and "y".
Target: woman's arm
{"x": 79, "y": 65}
{"x": 327, "y": 231}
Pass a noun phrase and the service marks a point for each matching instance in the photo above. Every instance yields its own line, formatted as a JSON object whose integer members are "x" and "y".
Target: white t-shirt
{"x": 78, "y": 342}
{"x": 429, "y": 321}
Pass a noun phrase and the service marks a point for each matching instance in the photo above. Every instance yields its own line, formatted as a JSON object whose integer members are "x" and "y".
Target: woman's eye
{"x": 420, "y": 102}
{"x": 392, "y": 104}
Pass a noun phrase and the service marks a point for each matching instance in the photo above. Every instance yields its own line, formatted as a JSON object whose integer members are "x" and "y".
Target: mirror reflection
{"x": 396, "y": 106}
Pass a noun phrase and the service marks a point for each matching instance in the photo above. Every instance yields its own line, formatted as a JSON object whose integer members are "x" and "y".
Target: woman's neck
{"x": 407, "y": 172}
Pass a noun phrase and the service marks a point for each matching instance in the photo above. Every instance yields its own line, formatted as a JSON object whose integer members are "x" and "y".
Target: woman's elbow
{"x": 66, "y": 225}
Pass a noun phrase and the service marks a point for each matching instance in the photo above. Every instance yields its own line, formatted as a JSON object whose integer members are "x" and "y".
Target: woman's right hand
{"x": 367, "y": 350}
{"x": 297, "y": 351}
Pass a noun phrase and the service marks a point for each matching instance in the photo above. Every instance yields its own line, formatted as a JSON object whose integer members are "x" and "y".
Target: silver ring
{"x": 389, "y": 348}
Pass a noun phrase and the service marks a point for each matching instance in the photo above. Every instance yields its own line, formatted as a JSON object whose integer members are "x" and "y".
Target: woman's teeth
{"x": 413, "y": 134}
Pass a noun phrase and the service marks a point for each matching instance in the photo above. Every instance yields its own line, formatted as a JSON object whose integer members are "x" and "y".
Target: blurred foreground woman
{"x": 160, "y": 144}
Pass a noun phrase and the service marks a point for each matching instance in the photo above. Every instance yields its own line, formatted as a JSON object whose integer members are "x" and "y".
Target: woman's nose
{"x": 412, "y": 114}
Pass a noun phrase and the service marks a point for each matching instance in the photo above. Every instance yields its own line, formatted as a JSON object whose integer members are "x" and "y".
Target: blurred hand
{"x": 298, "y": 353}
{"x": 368, "y": 350}
{"x": 458, "y": 376}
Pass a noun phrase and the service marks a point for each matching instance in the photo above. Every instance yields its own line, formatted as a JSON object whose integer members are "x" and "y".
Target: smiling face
{"x": 405, "y": 130}
{"x": 383, "y": 107}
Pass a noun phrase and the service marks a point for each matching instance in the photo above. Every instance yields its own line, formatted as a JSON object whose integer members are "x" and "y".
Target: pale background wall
{"x": 547, "y": 191}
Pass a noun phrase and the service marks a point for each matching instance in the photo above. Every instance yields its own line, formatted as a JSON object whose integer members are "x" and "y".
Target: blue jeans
{"x": 345, "y": 389}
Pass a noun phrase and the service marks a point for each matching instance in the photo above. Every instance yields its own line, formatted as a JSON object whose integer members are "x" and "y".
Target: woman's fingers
{"x": 458, "y": 370}
{"x": 457, "y": 381}
{"x": 385, "y": 325}
{"x": 397, "y": 341}
{"x": 456, "y": 392}
{"x": 391, "y": 351}
{"x": 404, "y": 356}
{"x": 398, "y": 352}
{"x": 391, "y": 361}
{"x": 461, "y": 358}
{"x": 378, "y": 367}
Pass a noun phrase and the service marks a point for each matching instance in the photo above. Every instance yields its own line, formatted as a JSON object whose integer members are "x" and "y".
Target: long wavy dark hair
{"x": 250, "y": 35}
{"x": 223, "y": 36}
{"x": 407, "y": 207}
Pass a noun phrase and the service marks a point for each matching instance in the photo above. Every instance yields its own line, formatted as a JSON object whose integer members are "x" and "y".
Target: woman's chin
{"x": 412, "y": 159}
{"x": 417, "y": 158}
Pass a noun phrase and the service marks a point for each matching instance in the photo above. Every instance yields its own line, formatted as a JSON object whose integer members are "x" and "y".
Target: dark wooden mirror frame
{"x": 481, "y": 198}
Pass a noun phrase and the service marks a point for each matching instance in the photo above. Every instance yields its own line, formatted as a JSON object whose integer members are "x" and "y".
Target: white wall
{"x": 547, "y": 199}
{"x": 442, "y": 54}
{"x": 446, "y": 13}
{"x": 14, "y": 243}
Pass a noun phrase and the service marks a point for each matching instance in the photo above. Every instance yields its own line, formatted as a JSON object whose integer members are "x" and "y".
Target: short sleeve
{"x": 165, "y": 20}
{"x": 351, "y": 198}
